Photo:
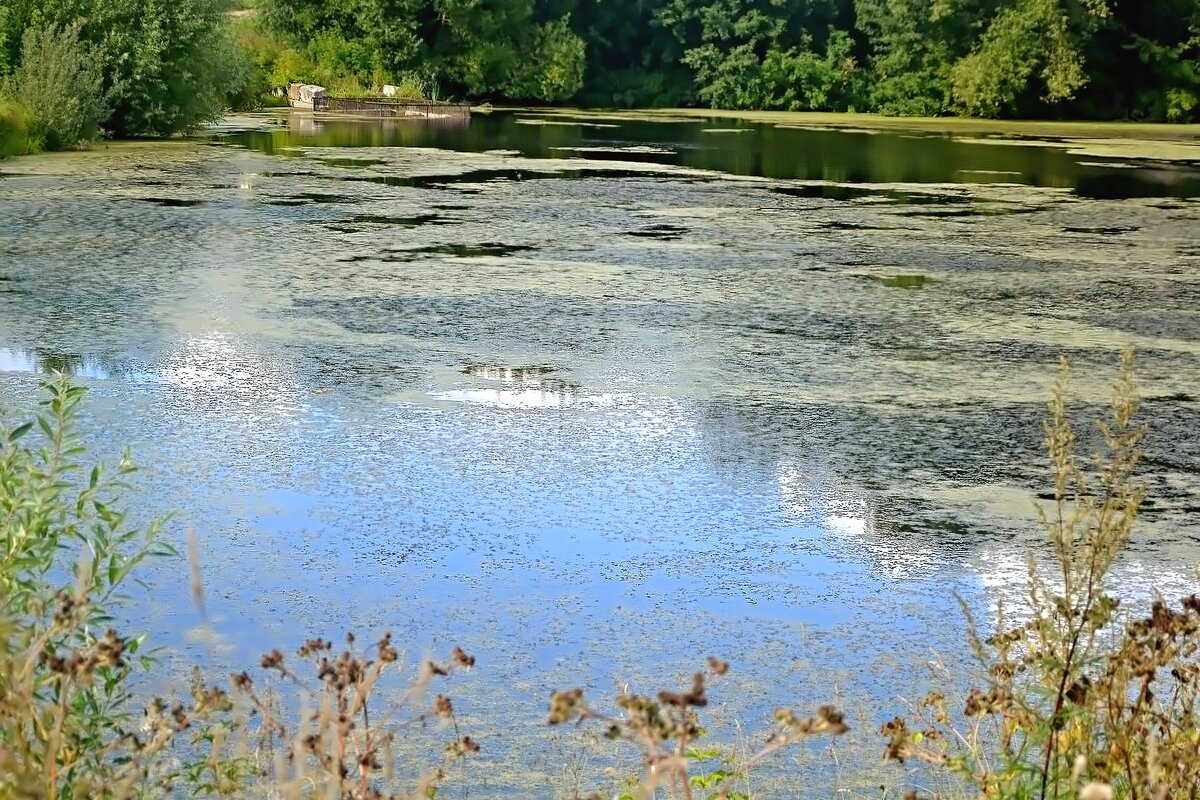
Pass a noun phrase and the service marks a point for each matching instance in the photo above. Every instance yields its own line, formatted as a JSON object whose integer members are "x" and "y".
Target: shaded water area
{"x": 595, "y": 397}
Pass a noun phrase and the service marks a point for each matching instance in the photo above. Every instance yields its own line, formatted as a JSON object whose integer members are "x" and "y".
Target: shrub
{"x": 1077, "y": 700}
{"x": 16, "y": 138}
{"x": 553, "y": 70}
{"x": 411, "y": 87}
{"x": 798, "y": 78}
{"x": 340, "y": 739}
{"x": 174, "y": 65}
{"x": 167, "y": 67}
{"x": 68, "y": 726}
{"x": 666, "y": 729}
{"x": 66, "y": 551}
{"x": 60, "y": 84}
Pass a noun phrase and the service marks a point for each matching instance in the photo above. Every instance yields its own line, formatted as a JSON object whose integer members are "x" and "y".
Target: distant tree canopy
{"x": 502, "y": 48}
{"x": 160, "y": 66}
{"x": 165, "y": 65}
{"x": 1038, "y": 58}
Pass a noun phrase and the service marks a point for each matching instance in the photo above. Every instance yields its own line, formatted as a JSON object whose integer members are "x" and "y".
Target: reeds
{"x": 1079, "y": 699}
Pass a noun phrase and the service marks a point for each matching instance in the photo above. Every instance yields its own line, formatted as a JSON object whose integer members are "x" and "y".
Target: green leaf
{"x": 696, "y": 754}
{"x": 19, "y": 431}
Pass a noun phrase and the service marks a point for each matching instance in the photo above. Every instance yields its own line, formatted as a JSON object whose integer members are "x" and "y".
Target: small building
{"x": 306, "y": 95}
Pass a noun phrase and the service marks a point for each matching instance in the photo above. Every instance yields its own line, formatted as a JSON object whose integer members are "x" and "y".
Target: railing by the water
{"x": 391, "y": 107}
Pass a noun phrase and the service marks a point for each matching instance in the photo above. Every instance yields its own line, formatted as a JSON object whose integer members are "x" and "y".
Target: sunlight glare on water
{"x": 595, "y": 398}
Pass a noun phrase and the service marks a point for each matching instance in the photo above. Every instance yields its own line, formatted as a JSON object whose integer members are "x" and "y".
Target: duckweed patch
{"x": 904, "y": 281}
{"x": 351, "y": 163}
{"x": 751, "y": 459}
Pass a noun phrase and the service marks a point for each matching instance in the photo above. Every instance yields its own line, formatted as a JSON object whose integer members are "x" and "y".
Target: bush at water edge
{"x": 15, "y": 136}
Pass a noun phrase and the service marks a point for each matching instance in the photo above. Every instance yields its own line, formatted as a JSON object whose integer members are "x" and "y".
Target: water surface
{"x": 596, "y": 398}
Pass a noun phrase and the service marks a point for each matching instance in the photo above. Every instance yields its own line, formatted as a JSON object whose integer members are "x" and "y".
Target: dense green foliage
{"x": 70, "y": 69}
{"x": 60, "y": 83}
{"x": 129, "y": 67}
{"x": 16, "y": 139}
{"x": 476, "y": 47}
{"x": 1036, "y": 58}
{"x": 67, "y": 553}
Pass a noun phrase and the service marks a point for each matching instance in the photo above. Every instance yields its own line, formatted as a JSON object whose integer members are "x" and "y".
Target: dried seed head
{"x": 462, "y": 659}
{"x": 717, "y": 666}
{"x": 210, "y": 700}
{"x": 443, "y": 706}
{"x": 110, "y": 649}
{"x": 1078, "y": 692}
{"x": 1096, "y": 791}
{"x": 1077, "y": 770}
{"x": 564, "y": 705}
{"x": 696, "y": 697}
{"x": 897, "y": 731}
{"x": 273, "y": 659}
{"x": 833, "y": 720}
{"x": 55, "y": 664}
{"x": 387, "y": 653}
{"x": 314, "y": 646}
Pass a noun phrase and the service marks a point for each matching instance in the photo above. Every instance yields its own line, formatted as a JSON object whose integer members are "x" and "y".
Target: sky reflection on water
{"x": 594, "y": 419}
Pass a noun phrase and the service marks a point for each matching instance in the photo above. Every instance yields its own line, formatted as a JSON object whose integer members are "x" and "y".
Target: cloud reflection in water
{"x": 520, "y": 387}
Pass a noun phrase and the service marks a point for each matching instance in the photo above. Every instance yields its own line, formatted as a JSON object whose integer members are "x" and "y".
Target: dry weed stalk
{"x": 341, "y": 749}
{"x": 65, "y": 555}
{"x": 664, "y": 729}
{"x": 67, "y": 725}
{"x": 1077, "y": 701}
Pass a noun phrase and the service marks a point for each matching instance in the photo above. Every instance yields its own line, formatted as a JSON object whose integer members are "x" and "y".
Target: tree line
{"x": 1095, "y": 59}
{"x": 70, "y": 69}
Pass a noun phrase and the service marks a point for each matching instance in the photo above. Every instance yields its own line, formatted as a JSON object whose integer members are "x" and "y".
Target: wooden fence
{"x": 390, "y": 107}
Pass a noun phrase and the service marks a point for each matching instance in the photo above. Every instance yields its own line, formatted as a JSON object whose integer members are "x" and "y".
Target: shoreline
{"x": 1178, "y": 143}
{"x": 1164, "y": 131}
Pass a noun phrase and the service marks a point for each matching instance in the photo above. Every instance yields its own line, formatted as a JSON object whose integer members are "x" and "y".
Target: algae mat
{"x": 598, "y": 411}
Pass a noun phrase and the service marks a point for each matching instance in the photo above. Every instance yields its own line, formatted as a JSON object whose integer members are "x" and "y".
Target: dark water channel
{"x": 737, "y": 147}
{"x": 597, "y": 397}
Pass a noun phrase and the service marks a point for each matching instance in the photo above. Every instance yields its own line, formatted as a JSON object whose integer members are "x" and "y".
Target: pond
{"x": 594, "y": 396}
